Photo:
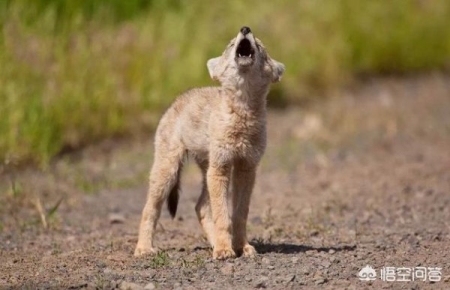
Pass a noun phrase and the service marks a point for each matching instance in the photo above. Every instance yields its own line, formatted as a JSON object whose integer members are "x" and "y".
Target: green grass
{"x": 161, "y": 259}
{"x": 75, "y": 72}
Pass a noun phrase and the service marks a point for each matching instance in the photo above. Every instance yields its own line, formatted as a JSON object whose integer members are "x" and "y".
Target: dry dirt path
{"x": 362, "y": 178}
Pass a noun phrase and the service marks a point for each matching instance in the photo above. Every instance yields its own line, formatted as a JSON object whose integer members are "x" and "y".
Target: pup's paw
{"x": 141, "y": 251}
{"x": 223, "y": 254}
{"x": 249, "y": 251}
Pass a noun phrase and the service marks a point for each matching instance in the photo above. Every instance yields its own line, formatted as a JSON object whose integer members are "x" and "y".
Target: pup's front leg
{"x": 243, "y": 182}
{"x": 218, "y": 179}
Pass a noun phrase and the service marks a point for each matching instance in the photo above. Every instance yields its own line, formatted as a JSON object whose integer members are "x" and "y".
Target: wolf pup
{"x": 224, "y": 130}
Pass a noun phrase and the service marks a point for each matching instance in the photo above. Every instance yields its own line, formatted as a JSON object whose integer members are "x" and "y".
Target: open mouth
{"x": 244, "y": 49}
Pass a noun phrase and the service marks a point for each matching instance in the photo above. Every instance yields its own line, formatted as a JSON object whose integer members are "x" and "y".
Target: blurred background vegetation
{"x": 76, "y": 71}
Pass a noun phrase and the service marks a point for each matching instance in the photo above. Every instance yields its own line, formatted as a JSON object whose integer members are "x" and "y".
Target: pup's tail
{"x": 174, "y": 194}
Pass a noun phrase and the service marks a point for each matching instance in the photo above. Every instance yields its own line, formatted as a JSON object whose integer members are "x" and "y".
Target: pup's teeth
{"x": 239, "y": 54}
{"x": 250, "y": 55}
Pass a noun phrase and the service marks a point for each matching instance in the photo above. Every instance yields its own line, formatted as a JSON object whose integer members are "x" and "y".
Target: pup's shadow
{"x": 286, "y": 248}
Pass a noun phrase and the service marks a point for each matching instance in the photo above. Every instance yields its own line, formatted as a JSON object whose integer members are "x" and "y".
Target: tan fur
{"x": 224, "y": 130}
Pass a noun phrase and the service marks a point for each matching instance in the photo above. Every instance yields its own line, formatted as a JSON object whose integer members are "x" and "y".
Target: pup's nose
{"x": 245, "y": 30}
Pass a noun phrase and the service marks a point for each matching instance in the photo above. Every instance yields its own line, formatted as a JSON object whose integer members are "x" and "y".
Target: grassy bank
{"x": 73, "y": 72}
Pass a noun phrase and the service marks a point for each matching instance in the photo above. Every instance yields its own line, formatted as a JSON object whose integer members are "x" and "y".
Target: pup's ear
{"x": 277, "y": 70}
{"x": 212, "y": 65}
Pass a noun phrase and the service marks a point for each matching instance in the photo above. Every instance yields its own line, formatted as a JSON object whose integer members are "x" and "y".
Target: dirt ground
{"x": 361, "y": 178}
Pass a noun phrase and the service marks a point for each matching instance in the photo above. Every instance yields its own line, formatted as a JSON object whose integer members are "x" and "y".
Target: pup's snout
{"x": 245, "y": 30}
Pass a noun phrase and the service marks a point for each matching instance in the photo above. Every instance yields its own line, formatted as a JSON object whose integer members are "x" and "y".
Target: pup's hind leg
{"x": 243, "y": 182}
{"x": 163, "y": 177}
{"x": 203, "y": 206}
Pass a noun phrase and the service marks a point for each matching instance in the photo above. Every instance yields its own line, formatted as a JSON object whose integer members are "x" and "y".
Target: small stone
{"x": 115, "y": 284}
{"x": 295, "y": 260}
{"x": 248, "y": 278}
{"x": 331, "y": 251}
{"x": 228, "y": 269}
{"x": 116, "y": 218}
{"x": 289, "y": 278}
{"x": 301, "y": 282}
{"x": 314, "y": 233}
{"x": 319, "y": 280}
{"x": 256, "y": 220}
{"x": 107, "y": 271}
{"x": 117, "y": 257}
{"x": 150, "y": 286}
{"x": 271, "y": 267}
{"x": 310, "y": 252}
{"x": 130, "y": 286}
{"x": 326, "y": 264}
{"x": 210, "y": 266}
{"x": 265, "y": 260}
{"x": 101, "y": 264}
{"x": 262, "y": 282}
